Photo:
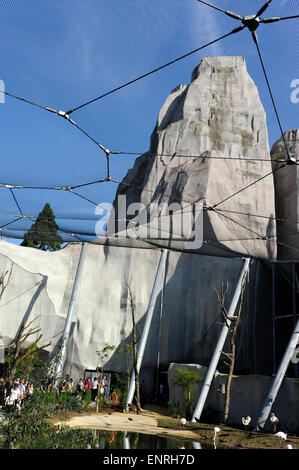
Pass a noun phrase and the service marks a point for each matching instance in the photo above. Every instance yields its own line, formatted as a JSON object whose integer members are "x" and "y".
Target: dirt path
{"x": 146, "y": 423}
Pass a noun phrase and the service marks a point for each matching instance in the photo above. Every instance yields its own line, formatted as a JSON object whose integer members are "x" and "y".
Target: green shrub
{"x": 176, "y": 410}
{"x": 30, "y": 429}
{"x": 186, "y": 378}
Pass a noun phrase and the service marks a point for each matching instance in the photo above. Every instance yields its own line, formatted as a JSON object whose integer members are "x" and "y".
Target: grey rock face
{"x": 185, "y": 325}
{"x": 287, "y": 195}
{"x": 209, "y": 142}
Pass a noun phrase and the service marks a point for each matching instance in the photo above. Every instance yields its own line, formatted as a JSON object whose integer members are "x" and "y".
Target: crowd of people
{"x": 13, "y": 393}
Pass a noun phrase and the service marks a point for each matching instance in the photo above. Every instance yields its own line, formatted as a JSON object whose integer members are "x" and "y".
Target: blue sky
{"x": 61, "y": 54}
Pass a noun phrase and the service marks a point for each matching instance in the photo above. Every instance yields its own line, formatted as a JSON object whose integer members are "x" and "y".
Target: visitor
{"x": 161, "y": 393}
{"x": 94, "y": 389}
{"x": 22, "y": 388}
{"x": 87, "y": 386}
{"x": 63, "y": 386}
{"x": 2, "y": 393}
{"x": 25, "y": 383}
{"x": 9, "y": 403}
{"x": 16, "y": 382}
{"x": 69, "y": 384}
{"x": 8, "y": 385}
{"x": 103, "y": 384}
{"x": 52, "y": 381}
{"x": 45, "y": 385}
{"x": 80, "y": 386}
{"x": 15, "y": 395}
{"x": 30, "y": 389}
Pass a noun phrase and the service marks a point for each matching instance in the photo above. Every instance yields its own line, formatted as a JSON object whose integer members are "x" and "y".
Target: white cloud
{"x": 205, "y": 27}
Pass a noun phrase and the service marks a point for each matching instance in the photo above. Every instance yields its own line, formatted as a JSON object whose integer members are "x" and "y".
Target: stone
{"x": 287, "y": 195}
{"x": 219, "y": 115}
{"x": 185, "y": 325}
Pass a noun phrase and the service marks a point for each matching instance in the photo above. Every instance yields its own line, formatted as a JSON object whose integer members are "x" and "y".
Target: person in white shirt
{"x": 22, "y": 388}
{"x": 15, "y": 393}
{"x": 94, "y": 389}
{"x": 12, "y": 399}
{"x": 9, "y": 402}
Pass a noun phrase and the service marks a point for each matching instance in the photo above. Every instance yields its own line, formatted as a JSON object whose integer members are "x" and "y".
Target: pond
{"x": 135, "y": 440}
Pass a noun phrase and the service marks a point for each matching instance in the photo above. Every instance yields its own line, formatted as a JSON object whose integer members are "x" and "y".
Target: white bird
{"x": 289, "y": 446}
{"x": 274, "y": 421}
{"x": 282, "y": 436}
{"x": 216, "y": 431}
{"x": 246, "y": 421}
{"x": 183, "y": 422}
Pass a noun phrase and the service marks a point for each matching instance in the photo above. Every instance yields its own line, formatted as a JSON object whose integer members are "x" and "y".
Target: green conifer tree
{"x": 43, "y": 233}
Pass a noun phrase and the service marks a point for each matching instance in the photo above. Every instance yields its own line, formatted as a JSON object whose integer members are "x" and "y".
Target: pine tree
{"x": 43, "y": 233}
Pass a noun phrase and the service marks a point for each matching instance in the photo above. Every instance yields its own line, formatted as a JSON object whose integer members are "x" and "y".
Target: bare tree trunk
{"x": 137, "y": 391}
{"x": 99, "y": 390}
{"x": 235, "y": 320}
{"x": 228, "y": 384}
{"x": 19, "y": 354}
{"x": 134, "y": 343}
{"x": 3, "y": 283}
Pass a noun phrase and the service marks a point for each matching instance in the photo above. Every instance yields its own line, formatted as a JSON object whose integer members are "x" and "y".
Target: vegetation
{"x": 121, "y": 389}
{"x": 127, "y": 350}
{"x": 43, "y": 233}
{"x": 103, "y": 354}
{"x": 22, "y": 360}
{"x": 176, "y": 410}
{"x": 32, "y": 429}
{"x": 186, "y": 378}
{"x": 21, "y": 355}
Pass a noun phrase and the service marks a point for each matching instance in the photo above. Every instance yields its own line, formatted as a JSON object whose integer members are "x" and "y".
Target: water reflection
{"x": 134, "y": 440}
{"x": 126, "y": 441}
{"x": 196, "y": 445}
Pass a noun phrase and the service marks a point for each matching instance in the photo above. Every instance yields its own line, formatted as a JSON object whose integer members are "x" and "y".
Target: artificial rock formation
{"x": 211, "y": 141}
{"x": 184, "y": 326}
{"x": 287, "y": 195}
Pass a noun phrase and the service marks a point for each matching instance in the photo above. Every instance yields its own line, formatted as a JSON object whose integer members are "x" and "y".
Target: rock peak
{"x": 220, "y": 64}
{"x": 211, "y": 141}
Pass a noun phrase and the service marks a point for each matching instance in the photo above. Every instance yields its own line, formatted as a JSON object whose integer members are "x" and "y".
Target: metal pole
{"x": 273, "y": 322}
{"x": 160, "y": 328}
{"x": 278, "y": 378}
{"x": 219, "y": 346}
{"x": 72, "y": 305}
{"x": 147, "y": 325}
{"x": 294, "y": 304}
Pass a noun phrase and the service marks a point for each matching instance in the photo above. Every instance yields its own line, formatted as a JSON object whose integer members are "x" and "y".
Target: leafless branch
{"x": 232, "y": 328}
{"x": 3, "y": 284}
